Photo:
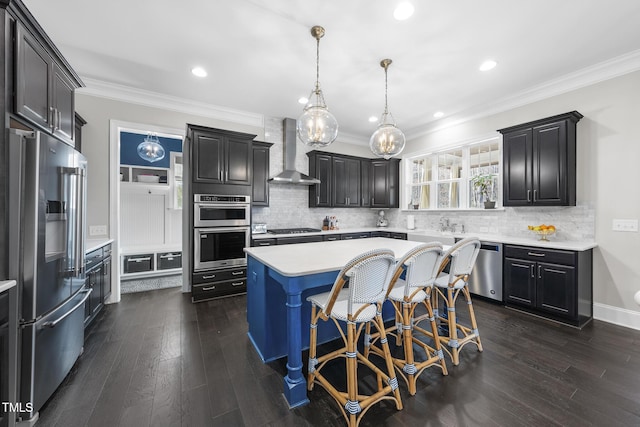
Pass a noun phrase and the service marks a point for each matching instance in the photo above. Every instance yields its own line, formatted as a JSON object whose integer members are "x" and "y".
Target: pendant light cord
{"x": 317, "y": 65}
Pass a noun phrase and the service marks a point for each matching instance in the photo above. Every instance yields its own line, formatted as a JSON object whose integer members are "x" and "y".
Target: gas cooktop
{"x": 293, "y": 230}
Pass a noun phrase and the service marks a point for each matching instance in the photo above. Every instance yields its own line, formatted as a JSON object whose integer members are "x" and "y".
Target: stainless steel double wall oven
{"x": 221, "y": 231}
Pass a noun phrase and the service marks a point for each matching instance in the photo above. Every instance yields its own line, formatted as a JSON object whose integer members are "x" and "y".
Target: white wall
{"x": 607, "y": 174}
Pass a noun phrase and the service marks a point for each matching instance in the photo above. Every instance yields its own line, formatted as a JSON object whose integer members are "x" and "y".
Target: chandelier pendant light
{"x": 150, "y": 149}
{"x": 317, "y": 127}
{"x": 388, "y": 140}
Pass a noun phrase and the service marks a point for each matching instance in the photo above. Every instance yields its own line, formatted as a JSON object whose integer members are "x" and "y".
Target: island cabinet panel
{"x": 220, "y": 156}
{"x": 365, "y": 183}
{"x": 553, "y": 283}
{"x": 539, "y": 161}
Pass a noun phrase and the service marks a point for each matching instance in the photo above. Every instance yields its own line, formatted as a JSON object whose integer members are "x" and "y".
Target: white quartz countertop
{"x": 93, "y": 244}
{"x": 330, "y": 232}
{"x": 527, "y": 239}
{"x": 5, "y": 285}
{"x": 320, "y": 257}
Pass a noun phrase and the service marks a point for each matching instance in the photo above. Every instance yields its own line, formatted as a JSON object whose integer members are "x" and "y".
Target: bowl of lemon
{"x": 543, "y": 230}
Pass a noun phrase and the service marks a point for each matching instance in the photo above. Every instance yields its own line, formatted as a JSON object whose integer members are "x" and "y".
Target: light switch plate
{"x": 97, "y": 230}
{"x": 625, "y": 225}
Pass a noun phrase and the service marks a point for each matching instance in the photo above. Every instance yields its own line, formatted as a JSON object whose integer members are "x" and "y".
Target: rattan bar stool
{"x": 420, "y": 268}
{"x": 368, "y": 277}
{"x": 461, "y": 258}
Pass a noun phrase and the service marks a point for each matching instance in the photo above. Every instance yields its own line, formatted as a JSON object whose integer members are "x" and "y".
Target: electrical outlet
{"x": 97, "y": 230}
{"x": 625, "y": 225}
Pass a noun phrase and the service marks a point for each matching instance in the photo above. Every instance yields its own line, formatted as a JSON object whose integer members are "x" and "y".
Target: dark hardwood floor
{"x": 155, "y": 359}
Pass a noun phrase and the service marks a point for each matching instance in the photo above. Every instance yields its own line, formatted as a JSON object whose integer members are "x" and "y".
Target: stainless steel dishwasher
{"x": 486, "y": 278}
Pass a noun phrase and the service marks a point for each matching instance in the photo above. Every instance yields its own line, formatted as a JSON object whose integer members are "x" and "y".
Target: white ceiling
{"x": 261, "y": 57}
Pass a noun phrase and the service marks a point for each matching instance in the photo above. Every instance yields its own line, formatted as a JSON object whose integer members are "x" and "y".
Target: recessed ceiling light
{"x": 373, "y": 119}
{"x": 303, "y": 100}
{"x": 487, "y": 65}
{"x": 438, "y": 114}
{"x": 199, "y": 72}
{"x": 403, "y": 11}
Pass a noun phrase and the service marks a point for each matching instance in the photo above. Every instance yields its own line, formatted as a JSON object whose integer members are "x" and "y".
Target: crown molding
{"x": 606, "y": 70}
{"x": 131, "y": 95}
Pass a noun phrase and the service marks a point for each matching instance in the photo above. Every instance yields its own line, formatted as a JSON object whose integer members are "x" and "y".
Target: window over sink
{"x": 442, "y": 180}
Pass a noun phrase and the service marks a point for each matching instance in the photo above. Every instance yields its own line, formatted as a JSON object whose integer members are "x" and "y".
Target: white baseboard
{"x": 617, "y": 315}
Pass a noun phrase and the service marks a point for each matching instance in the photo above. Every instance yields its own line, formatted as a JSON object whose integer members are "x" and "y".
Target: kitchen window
{"x": 442, "y": 180}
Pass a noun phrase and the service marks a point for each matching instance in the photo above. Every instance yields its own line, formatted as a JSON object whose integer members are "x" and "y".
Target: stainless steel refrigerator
{"x": 46, "y": 214}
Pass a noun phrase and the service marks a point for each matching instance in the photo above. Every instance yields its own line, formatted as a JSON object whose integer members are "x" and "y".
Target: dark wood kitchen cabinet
{"x": 345, "y": 182}
{"x": 221, "y": 156}
{"x": 98, "y": 279}
{"x": 218, "y": 283}
{"x": 44, "y": 88}
{"x": 80, "y": 122}
{"x": 385, "y": 182}
{"x": 260, "y": 187}
{"x": 556, "y": 284}
{"x": 539, "y": 161}
{"x": 320, "y": 167}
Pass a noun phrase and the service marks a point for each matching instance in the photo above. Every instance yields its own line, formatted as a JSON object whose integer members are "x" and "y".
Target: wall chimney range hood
{"x": 290, "y": 174}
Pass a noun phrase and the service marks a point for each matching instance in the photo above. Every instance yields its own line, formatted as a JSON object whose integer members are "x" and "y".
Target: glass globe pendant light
{"x": 150, "y": 149}
{"x": 387, "y": 141}
{"x": 316, "y": 126}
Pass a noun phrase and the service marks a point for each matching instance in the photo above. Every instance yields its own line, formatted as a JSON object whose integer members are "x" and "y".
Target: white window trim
{"x": 464, "y": 179}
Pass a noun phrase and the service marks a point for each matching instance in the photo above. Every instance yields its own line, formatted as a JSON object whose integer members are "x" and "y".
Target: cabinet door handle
{"x": 535, "y": 254}
{"x": 528, "y": 196}
{"x": 59, "y": 119}
{"x": 539, "y": 272}
{"x": 209, "y": 288}
{"x": 209, "y": 277}
{"x": 220, "y": 176}
{"x": 318, "y": 202}
{"x": 533, "y": 274}
{"x": 237, "y": 283}
{"x": 535, "y": 195}
{"x": 226, "y": 176}
{"x": 236, "y": 273}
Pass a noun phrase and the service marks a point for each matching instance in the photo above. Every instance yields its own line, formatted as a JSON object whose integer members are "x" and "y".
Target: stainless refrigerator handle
{"x": 53, "y": 323}
{"x": 78, "y": 243}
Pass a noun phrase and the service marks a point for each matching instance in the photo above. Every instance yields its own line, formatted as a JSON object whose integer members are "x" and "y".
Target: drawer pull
{"x": 237, "y": 283}
{"x": 535, "y": 254}
{"x": 264, "y": 244}
{"x": 169, "y": 256}
{"x": 139, "y": 259}
{"x": 210, "y": 288}
{"x": 209, "y": 277}
{"x": 236, "y": 273}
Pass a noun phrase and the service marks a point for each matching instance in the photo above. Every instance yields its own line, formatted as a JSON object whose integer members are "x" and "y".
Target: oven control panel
{"x": 212, "y": 198}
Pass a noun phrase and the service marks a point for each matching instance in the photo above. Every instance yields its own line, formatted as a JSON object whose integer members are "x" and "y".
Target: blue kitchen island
{"x": 279, "y": 279}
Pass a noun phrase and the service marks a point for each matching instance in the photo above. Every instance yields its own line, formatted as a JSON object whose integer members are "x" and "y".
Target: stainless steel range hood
{"x": 290, "y": 174}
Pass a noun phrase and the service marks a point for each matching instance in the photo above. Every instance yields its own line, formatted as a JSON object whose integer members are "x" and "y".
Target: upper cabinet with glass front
{"x": 443, "y": 180}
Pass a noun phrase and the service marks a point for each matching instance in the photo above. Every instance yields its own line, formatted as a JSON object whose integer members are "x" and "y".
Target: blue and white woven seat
{"x": 460, "y": 258}
{"x": 420, "y": 267}
{"x": 368, "y": 277}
